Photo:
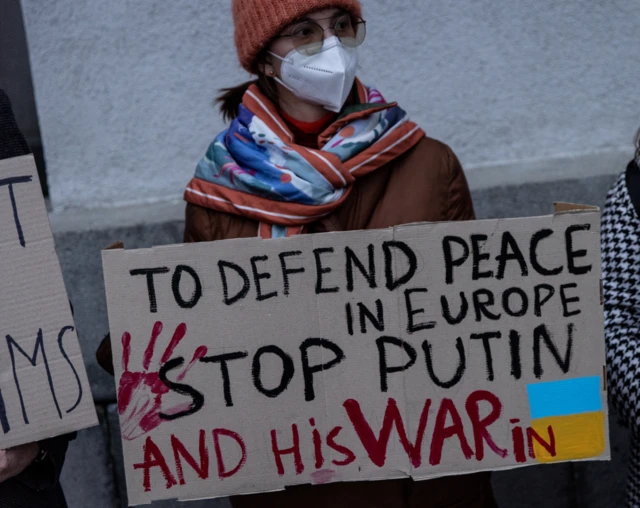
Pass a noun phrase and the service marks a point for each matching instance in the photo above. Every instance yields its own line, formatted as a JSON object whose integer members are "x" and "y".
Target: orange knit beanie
{"x": 258, "y": 21}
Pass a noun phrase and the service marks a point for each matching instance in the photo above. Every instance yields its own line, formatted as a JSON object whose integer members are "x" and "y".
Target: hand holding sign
{"x": 15, "y": 460}
{"x": 140, "y": 393}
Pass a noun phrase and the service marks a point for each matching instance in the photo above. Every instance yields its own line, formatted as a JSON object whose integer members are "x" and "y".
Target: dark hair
{"x": 230, "y": 99}
{"x": 637, "y": 142}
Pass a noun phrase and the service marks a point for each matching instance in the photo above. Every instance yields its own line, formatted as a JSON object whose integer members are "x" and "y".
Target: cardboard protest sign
{"x": 44, "y": 390}
{"x": 425, "y": 350}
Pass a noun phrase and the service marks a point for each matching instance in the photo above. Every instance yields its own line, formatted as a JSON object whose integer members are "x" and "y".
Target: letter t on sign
{"x": 10, "y": 182}
{"x": 151, "y": 288}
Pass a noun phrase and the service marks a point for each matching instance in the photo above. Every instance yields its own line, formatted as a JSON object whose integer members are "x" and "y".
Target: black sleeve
{"x": 633, "y": 184}
{"x": 45, "y": 475}
{"x": 12, "y": 142}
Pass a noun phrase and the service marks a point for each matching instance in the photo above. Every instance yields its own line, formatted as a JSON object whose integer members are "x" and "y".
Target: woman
{"x": 29, "y": 474}
{"x": 310, "y": 149}
{"x": 621, "y": 271}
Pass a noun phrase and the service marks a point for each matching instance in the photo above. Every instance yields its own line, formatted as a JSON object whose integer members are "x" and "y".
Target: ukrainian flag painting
{"x": 569, "y": 414}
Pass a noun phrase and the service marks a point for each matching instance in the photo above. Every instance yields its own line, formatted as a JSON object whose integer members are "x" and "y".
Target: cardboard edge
{"x": 116, "y": 246}
{"x": 561, "y": 207}
{"x": 40, "y": 206}
{"x": 119, "y": 245}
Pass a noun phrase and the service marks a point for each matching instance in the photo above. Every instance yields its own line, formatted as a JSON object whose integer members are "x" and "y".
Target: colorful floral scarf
{"x": 256, "y": 170}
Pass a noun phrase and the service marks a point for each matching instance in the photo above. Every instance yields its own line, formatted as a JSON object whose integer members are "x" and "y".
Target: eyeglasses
{"x": 308, "y": 36}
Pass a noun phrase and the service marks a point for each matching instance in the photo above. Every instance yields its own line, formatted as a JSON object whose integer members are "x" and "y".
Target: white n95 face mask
{"x": 325, "y": 79}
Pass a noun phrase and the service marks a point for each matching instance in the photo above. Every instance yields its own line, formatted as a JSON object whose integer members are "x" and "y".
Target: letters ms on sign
{"x": 44, "y": 390}
{"x": 426, "y": 350}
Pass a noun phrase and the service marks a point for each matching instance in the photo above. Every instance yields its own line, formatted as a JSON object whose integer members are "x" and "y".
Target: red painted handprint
{"x": 140, "y": 393}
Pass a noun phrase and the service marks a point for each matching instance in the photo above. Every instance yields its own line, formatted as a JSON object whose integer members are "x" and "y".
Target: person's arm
{"x": 12, "y": 142}
{"x": 42, "y": 462}
{"x": 621, "y": 282}
{"x": 198, "y": 225}
{"x": 633, "y": 184}
{"x": 459, "y": 202}
{"x": 103, "y": 354}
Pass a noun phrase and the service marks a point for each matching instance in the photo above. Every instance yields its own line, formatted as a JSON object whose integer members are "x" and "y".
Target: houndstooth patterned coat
{"x": 621, "y": 270}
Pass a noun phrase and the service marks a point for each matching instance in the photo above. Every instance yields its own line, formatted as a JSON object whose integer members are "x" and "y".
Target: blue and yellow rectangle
{"x": 568, "y": 422}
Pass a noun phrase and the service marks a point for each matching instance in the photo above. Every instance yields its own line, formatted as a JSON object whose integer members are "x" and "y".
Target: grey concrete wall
{"x": 124, "y": 88}
{"x": 94, "y": 476}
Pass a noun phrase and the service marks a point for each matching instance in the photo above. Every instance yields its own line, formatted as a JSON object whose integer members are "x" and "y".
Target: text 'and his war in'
{"x": 420, "y": 351}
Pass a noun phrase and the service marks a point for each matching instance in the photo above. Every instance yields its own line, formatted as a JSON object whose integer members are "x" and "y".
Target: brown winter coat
{"x": 425, "y": 184}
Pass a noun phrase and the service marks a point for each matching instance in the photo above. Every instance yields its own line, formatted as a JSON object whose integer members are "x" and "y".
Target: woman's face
{"x": 327, "y": 19}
